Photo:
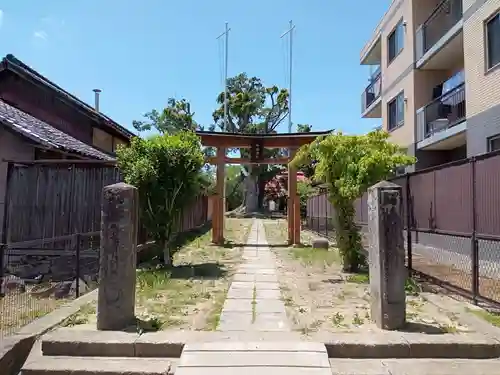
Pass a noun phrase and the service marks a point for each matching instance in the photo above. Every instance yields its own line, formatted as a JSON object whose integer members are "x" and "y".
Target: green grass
{"x": 490, "y": 317}
{"x": 309, "y": 256}
{"x": 213, "y": 317}
{"x": 358, "y": 278}
{"x": 81, "y": 316}
{"x": 254, "y": 304}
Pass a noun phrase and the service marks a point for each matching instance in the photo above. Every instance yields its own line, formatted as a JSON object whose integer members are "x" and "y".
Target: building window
{"x": 494, "y": 143}
{"x": 493, "y": 41}
{"x": 395, "y": 41}
{"x": 396, "y": 110}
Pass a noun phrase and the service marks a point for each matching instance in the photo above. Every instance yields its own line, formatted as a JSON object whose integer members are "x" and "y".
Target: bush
{"x": 166, "y": 169}
{"x": 350, "y": 164}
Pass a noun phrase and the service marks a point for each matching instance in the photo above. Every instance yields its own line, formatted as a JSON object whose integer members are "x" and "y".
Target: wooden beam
{"x": 228, "y": 160}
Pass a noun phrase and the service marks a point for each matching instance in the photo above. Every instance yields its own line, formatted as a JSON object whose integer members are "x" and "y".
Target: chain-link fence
{"x": 50, "y": 237}
{"x": 453, "y": 213}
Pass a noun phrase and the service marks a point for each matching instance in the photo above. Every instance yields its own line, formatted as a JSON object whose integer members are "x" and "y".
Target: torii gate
{"x": 256, "y": 143}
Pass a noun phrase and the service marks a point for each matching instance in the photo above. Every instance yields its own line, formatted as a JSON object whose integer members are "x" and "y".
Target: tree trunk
{"x": 348, "y": 237}
{"x": 262, "y": 190}
{"x": 251, "y": 193}
{"x": 167, "y": 254}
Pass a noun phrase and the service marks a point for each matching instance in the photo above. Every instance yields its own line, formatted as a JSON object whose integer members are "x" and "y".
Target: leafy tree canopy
{"x": 166, "y": 171}
{"x": 350, "y": 164}
{"x": 175, "y": 117}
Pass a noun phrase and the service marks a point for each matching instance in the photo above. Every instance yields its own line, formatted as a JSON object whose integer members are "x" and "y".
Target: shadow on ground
{"x": 201, "y": 271}
{"x": 230, "y": 245}
{"x": 423, "y": 328}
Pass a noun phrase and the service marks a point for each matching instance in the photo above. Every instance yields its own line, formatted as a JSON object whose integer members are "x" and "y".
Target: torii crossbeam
{"x": 256, "y": 143}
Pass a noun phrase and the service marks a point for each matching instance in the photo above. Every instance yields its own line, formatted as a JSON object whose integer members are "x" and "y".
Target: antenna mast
{"x": 226, "y": 55}
{"x": 290, "y": 39}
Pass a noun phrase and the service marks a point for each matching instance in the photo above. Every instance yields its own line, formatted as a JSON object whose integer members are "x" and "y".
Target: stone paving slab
{"x": 263, "y": 294}
{"x": 235, "y": 321}
{"x": 269, "y": 306}
{"x": 240, "y": 293}
{"x": 242, "y": 285}
{"x": 238, "y": 305}
{"x": 266, "y": 278}
{"x": 272, "y": 322}
{"x": 255, "y": 269}
{"x": 247, "y": 277}
{"x": 266, "y": 286}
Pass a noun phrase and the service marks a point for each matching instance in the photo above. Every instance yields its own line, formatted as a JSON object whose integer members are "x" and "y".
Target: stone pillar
{"x": 386, "y": 256}
{"x": 117, "y": 275}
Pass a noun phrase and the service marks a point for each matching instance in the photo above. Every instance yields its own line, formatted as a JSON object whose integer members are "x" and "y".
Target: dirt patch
{"x": 191, "y": 294}
{"x": 320, "y": 297}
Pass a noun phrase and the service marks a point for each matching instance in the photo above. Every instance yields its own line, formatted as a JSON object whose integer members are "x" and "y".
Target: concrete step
{"x": 45, "y": 365}
{"x": 168, "y": 344}
{"x": 414, "y": 366}
{"x": 276, "y": 358}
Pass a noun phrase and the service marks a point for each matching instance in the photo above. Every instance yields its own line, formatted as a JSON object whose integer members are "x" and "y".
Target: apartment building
{"x": 435, "y": 78}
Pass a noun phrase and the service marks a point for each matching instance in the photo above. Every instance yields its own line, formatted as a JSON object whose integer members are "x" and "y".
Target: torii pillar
{"x": 219, "y": 201}
{"x": 293, "y": 205}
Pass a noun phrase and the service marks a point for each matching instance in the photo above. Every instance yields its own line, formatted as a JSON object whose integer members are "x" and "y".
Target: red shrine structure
{"x": 256, "y": 143}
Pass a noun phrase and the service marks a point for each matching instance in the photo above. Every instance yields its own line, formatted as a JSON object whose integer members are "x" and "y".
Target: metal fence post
{"x": 408, "y": 225}
{"x": 77, "y": 238}
{"x": 474, "y": 243}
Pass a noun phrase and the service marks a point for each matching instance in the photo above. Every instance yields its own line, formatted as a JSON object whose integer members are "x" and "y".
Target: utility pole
{"x": 290, "y": 38}
{"x": 226, "y": 35}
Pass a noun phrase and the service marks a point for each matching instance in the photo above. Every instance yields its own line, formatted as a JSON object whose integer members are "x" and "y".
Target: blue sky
{"x": 140, "y": 53}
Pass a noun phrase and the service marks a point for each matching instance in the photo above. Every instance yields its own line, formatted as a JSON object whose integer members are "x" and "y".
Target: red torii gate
{"x": 256, "y": 143}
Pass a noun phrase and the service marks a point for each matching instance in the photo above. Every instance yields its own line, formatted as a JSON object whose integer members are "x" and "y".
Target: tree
{"x": 307, "y": 169}
{"x": 175, "y": 117}
{"x": 166, "y": 171}
{"x": 234, "y": 191}
{"x": 350, "y": 164}
{"x": 304, "y": 128}
{"x": 253, "y": 108}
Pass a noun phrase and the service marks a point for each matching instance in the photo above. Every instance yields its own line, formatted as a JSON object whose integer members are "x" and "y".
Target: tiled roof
{"x": 13, "y": 63}
{"x": 45, "y": 134}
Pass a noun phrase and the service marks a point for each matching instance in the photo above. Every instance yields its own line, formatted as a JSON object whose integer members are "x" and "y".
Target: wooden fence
{"x": 52, "y": 202}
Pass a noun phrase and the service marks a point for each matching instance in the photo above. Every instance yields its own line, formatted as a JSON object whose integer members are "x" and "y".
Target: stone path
{"x": 254, "y": 304}
{"x": 254, "y": 299}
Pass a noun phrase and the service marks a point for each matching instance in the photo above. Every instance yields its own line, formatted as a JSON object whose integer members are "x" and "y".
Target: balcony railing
{"x": 442, "y": 113}
{"x": 443, "y": 18}
{"x": 372, "y": 92}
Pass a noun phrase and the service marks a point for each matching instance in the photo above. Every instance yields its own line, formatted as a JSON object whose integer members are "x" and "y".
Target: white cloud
{"x": 40, "y": 34}
{"x": 1, "y": 17}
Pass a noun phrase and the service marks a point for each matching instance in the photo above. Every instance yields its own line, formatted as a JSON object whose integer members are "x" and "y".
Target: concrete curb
{"x": 15, "y": 349}
{"x": 88, "y": 343}
{"x": 449, "y": 304}
{"x": 71, "y": 342}
{"x": 412, "y": 345}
